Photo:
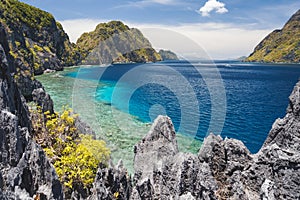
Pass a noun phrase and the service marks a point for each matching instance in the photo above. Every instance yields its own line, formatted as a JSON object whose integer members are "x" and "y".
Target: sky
{"x": 224, "y": 29}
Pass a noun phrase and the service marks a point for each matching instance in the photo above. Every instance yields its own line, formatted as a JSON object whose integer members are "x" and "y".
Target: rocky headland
{"x": 115, "y": 42}
{"x": 280, "y": 46}
{"x": 167, "y": 55}
{"x": 38, "y": 44}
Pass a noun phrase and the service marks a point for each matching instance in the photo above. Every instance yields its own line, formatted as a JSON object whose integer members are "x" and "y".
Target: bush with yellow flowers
{"x": 74, "y": 155}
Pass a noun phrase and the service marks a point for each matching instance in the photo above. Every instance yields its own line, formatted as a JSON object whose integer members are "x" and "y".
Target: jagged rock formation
{"x": 112, "y": 183}
{"x": 25, "y": 171}
{"x": 280, "y": 45}
{"x": 43, "y": 99}
{"x": 167, "y": 55}
{"x": 223, "y": 169}
{"x": 161, "y": 172}
{"x": 115, "y": 42}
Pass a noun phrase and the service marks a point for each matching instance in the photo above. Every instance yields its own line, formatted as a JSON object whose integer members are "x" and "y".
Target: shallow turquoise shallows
{"x": 121, "y": 101}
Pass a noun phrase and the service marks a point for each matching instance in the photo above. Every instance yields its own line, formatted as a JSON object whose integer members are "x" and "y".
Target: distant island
{"x": 115, "y": 42}
{"x": 280, "y": 46}
{"x": 167, "y": 55}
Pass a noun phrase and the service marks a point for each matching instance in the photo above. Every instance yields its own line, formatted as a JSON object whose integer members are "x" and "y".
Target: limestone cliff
{"x": 36, "y": 38}
{"x": 25, "y": 171}
{"x": 280, "y": 45}
{"x": 36, "y": 41}
{"x": 115, "y": 42}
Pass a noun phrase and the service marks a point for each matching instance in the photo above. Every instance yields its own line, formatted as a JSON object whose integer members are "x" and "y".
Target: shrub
{"x": 38, "y": 48}
{"x": 18, "y": 44}
{"x": 77, "y": 166}
{"x": 96, "y": 147}
{"x": 46, "y": 48}
{"x": 75, "y": 156}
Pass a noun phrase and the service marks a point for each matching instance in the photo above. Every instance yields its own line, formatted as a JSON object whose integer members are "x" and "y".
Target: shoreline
{"x": 117, "y": 128}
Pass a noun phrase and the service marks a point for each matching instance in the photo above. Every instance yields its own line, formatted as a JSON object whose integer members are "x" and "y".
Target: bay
{"x": 234, "y": 99}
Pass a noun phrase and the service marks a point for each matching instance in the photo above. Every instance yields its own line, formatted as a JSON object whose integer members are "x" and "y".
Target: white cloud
{"x": 212, "y": 5}
{"x": 217, "y": 40}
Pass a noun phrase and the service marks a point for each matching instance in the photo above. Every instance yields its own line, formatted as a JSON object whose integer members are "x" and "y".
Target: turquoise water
{"x": 121, "y": 101}
{"x": 120, "y": 130}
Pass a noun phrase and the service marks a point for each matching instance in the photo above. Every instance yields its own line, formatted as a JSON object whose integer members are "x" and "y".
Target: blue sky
{"x": 217, "y": 25}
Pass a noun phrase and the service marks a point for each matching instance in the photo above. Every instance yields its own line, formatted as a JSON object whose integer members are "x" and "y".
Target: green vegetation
{"x": 281, "y": 45}
{"x": 75, "y": 156}
{"x": 22, "y": 13}
{"x": 35, "y": 35}
{"x": 115, "y": 42}
{"x": 47, "y": 49}
{"x": 143, "y": 55}
{"x": 38, "y": 48}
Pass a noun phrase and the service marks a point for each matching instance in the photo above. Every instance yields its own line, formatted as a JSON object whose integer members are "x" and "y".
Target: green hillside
{"x": 280, "y": 45}
{"x": 115, "y": 42}
{"x": 36, "y": 38}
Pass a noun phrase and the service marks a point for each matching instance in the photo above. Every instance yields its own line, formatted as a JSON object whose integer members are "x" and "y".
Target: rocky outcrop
{"x": 112, "y": 183}
{"x": 43, "y": 99}
{"x": 161, "y": 172}
{"x": 84, "y": 128}
{"x": 25, "y": 171}
{"x": 280, "y": 45}
{"x": 115, "y": 42}
{"x": 36, "y": 41}
{"x": 223, "y": 169}
{"x": 36, "y": 38}
{"x": 167, "y": 55}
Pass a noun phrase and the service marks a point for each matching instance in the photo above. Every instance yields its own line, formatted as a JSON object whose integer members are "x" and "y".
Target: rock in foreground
{"x": 223, "y": 169}
{"x": 25, "y": 171}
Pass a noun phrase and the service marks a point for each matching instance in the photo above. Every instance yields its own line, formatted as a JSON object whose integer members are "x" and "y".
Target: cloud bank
{"x": 212, "y": 5}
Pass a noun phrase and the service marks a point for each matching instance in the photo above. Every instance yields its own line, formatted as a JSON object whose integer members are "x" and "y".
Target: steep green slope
{"x": 36, "y": 38}
{"x": 168, "y": 55}
{"x": 115, "y": 42}
{"x": 36, "y": 41}
{"x": 281, "y": 45}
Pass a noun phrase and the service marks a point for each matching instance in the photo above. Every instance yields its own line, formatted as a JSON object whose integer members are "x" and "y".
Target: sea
{"x": 229, "y": 98}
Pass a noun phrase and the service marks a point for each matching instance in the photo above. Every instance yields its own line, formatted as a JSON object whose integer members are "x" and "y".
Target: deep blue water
{"x": 254, "y": 95}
